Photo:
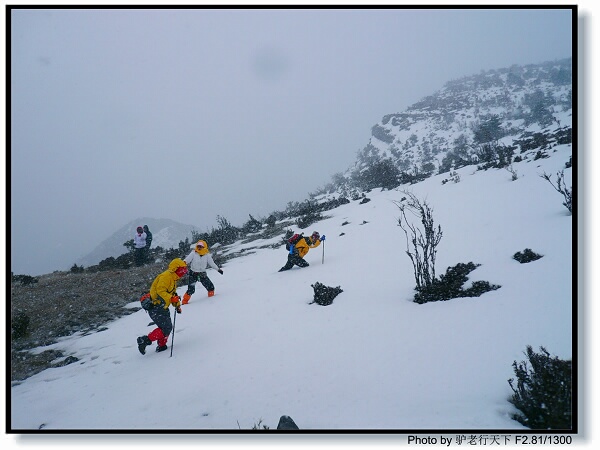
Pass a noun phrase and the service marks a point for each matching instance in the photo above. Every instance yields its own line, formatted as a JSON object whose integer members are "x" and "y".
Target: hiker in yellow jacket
{"x": 163, "y": 293}
{"x": 299, "y": 250}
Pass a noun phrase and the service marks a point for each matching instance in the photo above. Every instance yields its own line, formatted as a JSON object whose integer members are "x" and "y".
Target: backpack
{"x": 293, "y": 240}
{"x": 146, "y": 302}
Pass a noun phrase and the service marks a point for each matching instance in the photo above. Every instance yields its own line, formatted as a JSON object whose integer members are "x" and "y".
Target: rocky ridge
{"x": 63, "y": 303}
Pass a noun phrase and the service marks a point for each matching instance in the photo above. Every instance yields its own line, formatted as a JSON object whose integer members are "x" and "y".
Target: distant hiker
{"x": 148, "y": 243}
{"x": 163, "y": 293}
{"x": 198, "y": 260}
{"x": 298, "y": 251}
{"x": 139, "y": 246}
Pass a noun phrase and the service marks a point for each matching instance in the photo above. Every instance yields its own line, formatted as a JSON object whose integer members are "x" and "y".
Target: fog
{"x": 188, "y": 114}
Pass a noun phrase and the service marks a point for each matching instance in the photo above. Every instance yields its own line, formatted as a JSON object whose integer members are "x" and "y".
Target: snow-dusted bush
{"x": 308, "y": 219}
{"x": 77, "y": 269}
{"x": 539, "y": 104}
{"x": 123, "y": 261}
{"x": 454, "y": 177}
{"x": 19, "y": 325}
{"x": 543, "y": 391}
{"x": 489, "y": 129}
{"x": 526, "y": 256}
{"x": 25, "y": 280}
{"x": 450, "y": 285}
{"x": 252, "y": 225}
{"x": 324, "y": 295}
{"x": 271, "y": 220}
{"x": 383, "y": 173}
{"x": 494, "y": 155}
{"x": 382, "y": 133}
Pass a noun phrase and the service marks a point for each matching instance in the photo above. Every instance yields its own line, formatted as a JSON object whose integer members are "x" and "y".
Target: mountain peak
{"x": 166, "y": 233}
{"x": 448, "y": 129}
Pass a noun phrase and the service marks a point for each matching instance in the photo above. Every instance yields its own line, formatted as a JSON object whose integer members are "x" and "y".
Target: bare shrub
{"x": 421, "y": 241}
{"x": 561, "y": 188}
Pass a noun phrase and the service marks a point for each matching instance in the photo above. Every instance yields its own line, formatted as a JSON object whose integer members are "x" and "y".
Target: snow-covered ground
{"x": 373, "y": 360}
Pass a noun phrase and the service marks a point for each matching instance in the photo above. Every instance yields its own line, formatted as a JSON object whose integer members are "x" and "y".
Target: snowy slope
{"x": 371, "y": 360}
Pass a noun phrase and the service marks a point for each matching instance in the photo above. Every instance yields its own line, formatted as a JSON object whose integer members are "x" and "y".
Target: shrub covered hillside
{"x": 342, "y": 344}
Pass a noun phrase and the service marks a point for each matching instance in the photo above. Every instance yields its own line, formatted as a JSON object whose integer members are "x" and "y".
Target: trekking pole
{"x": 323, "y": 257}
{"x": 173, "y": 338}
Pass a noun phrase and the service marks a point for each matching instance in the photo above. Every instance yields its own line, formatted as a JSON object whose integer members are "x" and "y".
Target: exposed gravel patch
{"x": 63, "y": 303}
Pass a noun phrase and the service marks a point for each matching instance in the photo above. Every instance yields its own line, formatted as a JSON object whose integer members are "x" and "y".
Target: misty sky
{"x": 188, "y": 114}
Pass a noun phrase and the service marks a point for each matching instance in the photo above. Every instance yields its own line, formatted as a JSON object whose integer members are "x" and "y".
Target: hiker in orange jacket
{"x": 299, "y": 250}
{"x": 163, "y": 293}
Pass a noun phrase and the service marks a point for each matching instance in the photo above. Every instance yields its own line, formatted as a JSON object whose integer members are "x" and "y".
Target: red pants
{"x": 158, "y": 335}
{"x": 162, "y": 319}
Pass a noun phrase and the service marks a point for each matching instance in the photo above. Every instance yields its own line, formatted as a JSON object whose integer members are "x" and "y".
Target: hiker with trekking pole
{"x": 163, "y": 293}
{"x": 298, "y": 246}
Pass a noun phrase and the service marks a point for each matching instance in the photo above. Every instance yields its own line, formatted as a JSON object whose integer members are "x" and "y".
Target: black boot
{"x": 161, "y": 348}
{"x": 143, "y": 342}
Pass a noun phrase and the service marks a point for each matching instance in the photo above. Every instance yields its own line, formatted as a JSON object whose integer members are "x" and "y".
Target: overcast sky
{"x": 189, "y": 114}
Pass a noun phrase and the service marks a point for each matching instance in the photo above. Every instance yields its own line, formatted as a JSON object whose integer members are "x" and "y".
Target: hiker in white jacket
{"x": 198, "y": 261}
{"x": 139, "y": 244}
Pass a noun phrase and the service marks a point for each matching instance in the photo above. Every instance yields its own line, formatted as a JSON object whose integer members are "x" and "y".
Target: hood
{"x": 175, "y": 264}
{"x": 202, "y": 251}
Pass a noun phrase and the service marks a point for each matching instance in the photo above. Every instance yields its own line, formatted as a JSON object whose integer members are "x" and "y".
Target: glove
{"x": 220, "y": 271}
{"x": 323, "y": 238}
{"x": 176, "y": 301}
{"x": 178, "y": 309}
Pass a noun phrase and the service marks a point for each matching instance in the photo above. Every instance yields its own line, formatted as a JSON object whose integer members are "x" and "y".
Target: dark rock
{"x": 287, "y": 423}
